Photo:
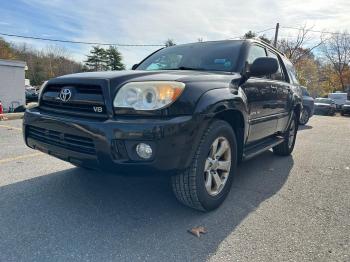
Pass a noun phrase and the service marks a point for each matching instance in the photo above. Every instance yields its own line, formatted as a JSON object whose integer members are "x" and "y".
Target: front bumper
{"x": 110, "y": 145}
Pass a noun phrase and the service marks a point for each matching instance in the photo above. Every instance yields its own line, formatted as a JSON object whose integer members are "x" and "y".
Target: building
{"x": 12, "y": 92}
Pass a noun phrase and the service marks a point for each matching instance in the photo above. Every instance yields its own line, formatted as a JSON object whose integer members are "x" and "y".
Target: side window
{"x": 254, "y": 53}
{"x": 305, "y": 92}
{"x": 292, "y": 74}
{"x": 279, "y": 74}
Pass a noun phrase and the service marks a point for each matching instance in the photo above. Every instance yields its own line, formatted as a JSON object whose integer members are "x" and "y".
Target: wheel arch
{"x": 224, "y": 105}
{"x": 236, "y": 120}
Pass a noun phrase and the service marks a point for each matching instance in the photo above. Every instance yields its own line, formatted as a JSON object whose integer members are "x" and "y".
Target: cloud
{"x": 152, "y": 22}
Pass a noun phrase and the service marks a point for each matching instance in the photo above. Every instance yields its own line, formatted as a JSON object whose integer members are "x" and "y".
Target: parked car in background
{"x": 31, "y": 94}
{"x": 308, "y": 107}
{"x": 339, "y": 99}
{"x": 346, "y": 108}
{"x": 324, "y": 106}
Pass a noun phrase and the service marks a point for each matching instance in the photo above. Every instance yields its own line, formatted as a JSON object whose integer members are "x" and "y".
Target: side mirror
{"x": 263, "y": 66}
{"x": 134, "y": 66}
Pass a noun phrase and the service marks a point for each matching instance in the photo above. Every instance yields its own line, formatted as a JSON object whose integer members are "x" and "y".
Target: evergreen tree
{"x": 169, "y": 42}
{"x": 114, "y": 59}
{"x": 97, "y": 60}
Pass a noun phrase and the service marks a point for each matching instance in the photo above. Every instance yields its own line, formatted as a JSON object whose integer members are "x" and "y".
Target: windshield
{"x": 323, "y": 100}
{"x": 347, "y": 103}
{"x": 206, "y": 56}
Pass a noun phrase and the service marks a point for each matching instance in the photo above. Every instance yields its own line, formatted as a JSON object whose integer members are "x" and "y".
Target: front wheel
{"x": 286, "y": 148}
{"x": 206, "y": 183}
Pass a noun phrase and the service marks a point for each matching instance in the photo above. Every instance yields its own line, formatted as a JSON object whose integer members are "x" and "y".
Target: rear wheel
{"x": 206, "y": 183}
{"x": 304, "y": 116}
{"x": 286, "y": 148}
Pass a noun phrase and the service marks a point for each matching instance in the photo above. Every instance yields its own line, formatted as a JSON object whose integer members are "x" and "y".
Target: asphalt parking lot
{"x": 294, "y": 208}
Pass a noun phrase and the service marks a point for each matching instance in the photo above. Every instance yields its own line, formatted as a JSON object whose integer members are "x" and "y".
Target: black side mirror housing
{"x": 263, "y": 66}
{"x": 134, "y": 66}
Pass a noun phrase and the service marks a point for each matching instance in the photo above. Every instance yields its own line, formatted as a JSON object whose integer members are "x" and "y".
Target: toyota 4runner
{"x": 192, "y": 111}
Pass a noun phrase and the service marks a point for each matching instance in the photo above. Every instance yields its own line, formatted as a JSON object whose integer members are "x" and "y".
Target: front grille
{"x": 67, "y": 141}
{"x": 80, "y": 88}
{"x": 85, "y": 101}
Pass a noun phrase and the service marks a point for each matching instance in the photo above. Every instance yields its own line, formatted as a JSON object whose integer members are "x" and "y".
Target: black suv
{"x": 192, "y": 110}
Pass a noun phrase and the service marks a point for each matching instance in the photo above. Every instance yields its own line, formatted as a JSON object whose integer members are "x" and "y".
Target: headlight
{"x": 150, "y": 95}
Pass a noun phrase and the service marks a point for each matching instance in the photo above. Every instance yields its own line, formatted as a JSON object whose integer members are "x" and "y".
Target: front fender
{"x": 219, "y": 100}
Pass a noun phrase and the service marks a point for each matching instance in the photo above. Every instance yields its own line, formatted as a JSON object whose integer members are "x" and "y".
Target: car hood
{"x": 161, "y": 75}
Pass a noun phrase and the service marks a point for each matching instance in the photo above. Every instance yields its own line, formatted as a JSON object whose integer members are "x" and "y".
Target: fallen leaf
{"x": 197, "y": 231}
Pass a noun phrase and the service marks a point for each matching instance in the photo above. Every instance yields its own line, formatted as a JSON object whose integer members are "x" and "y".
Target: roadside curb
{"x": 11, "y": 116}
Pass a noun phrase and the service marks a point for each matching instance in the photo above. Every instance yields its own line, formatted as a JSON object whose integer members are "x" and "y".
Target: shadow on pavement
{"x": 80, "y": 215}
{"x": 305, "y": 127}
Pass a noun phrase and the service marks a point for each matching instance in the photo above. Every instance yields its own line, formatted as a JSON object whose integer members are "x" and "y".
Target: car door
{"x": 294, "y": 87}
{"x": 282, "y": 92}
{"x": 260, "y": 98}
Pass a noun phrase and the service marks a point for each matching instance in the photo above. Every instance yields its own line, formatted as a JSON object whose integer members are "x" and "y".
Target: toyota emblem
{"x": 65, "y": 94}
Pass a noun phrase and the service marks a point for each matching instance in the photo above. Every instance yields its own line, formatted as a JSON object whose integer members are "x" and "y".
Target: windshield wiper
{"x": 188, "y": 68}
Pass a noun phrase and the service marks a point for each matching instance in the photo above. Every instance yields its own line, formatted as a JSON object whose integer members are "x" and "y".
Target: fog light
{"x": 144, "y": 151}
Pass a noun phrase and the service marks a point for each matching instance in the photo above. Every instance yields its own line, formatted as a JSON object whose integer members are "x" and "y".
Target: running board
{"x": 261, "y": 147}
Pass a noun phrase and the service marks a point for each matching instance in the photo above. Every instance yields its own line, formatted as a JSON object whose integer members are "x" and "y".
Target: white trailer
{"x": 12, "y": 92}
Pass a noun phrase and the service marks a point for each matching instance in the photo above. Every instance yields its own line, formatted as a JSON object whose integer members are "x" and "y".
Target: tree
{"x": 97, "y": 60}
{"x": 169, "y": 42}
{"x": 6, "y": 51}
{"x": 114, "y": 59}
{"x": 337, "y": 51}
{"x": 101, "y": 59}
{"x": 295, "y": 49}
{"x": 250, "y": 34}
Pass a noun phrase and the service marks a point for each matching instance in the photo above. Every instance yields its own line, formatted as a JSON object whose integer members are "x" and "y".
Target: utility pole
{"x": 276, "y": 34}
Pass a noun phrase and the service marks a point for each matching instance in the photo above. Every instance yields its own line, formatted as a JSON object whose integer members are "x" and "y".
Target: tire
{"x": 286, "y": 148}
{"x": 342, "y": 113}
{"x": 195, "y": 187}
{"x": 304, "y": 116}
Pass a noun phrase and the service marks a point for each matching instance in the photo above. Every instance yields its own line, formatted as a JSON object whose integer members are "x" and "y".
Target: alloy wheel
{"x": 217, "y": 166}
{"x": 304, "y": 116}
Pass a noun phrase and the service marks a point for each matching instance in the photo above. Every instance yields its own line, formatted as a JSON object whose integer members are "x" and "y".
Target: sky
{"x": 155, "y": 21}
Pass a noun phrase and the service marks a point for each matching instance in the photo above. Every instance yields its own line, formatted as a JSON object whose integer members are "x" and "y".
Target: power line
{"x": 268, "y": 29}
{"x": 79, "y": 42}
{"x": 315, "y": 31}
